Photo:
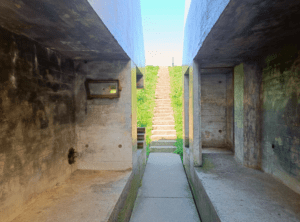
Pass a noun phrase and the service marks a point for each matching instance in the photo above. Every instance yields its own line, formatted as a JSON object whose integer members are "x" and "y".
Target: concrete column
{"x": 195, "y": 115}
{"x": 186, "y": 109}
{"x": 239, "y": 113}
{"x": 252, "y": 115}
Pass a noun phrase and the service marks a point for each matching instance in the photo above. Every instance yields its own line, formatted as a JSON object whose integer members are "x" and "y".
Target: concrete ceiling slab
{"x": 71, "y": 27}
{"x": 250, "y": 29}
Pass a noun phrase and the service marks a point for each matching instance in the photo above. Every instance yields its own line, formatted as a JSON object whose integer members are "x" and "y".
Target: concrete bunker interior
{"x": 241, "y": 106}
{"x": 52, "y": 129}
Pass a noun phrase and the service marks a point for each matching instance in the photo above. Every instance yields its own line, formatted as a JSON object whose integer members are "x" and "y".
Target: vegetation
{"x": 176, "y": 100}
{"x": 146, "y": 102}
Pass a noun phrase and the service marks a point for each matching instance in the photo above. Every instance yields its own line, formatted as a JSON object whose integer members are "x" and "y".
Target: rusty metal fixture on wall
{"x": 102, "y": 89}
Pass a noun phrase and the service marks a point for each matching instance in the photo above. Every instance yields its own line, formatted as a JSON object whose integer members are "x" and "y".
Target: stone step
{"x": 162, "y": 97}
{"x": 166, "y": 137}
{"x": 171, "y": 118}
{"x": 163, "y": 127}
{"x": 163, "y": 115}
{"x": 162, "y": 149}
{"x": 162, "y": 94}
{"x": 163, "y": 143}
{"x": 160, "y": 103}
{"x": 163, "y": 122}
{"x": 158, "y": 117}
{"x": 163, "y": 132}
{"x": 163, "y": 102}
{"x": 163, "y": 110}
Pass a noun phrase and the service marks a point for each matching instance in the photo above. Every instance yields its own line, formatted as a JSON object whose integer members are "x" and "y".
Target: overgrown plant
{"x": 176, "y": 101}
{"x": 146, "y": 103}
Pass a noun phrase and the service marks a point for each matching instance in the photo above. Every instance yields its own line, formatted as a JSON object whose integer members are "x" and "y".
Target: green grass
{"x": 176, "y": 100}
{"x": 146, "y": 102}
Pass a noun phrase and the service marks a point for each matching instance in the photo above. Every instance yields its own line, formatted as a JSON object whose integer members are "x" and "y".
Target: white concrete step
{"x": 158, "y": 104}
{"x": 163, "y": 115}
{"x": 164, "y": 110}
{"x": 163, "y": 122}
{"x": 163, "y": 132}
{"x": 162, "y": 105}
{"x": 163, "y": 143}
{"x": 162, "y": 97}
{"x": 166, "y": 137}
{"x": 163, "y": 127}
{"x": 163, "y": 118}
{"x": 162, "y": 149}
{"x": 160, "y": 117}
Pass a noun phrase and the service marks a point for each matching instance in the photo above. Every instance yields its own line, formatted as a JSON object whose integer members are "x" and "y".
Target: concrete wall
{"x": 266, "y": 115}
{"x": 281, "y": 116}
{"x": 124, "y": 21}
{"x": 105, "y": 139}
{"x": 213, "y": 110}
{"x": 37, "y": 120}
{"x": 201, "y": 18}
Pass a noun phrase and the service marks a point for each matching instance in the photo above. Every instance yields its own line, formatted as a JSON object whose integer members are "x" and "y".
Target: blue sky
{"x": 163, "y": 22}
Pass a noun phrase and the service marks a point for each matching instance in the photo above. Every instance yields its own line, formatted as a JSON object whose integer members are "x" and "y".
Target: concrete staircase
{"x": 163, "y": 133}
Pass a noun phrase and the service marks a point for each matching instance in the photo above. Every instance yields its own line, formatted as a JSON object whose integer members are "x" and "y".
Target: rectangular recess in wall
{"x": 102, "y": 89}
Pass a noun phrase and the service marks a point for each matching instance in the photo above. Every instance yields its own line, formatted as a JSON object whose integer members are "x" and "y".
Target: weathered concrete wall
{"x": 201, "y": 18}
{"x": 213, "y": 110}
{"x": 281, "y": 116}
{"x": 124, "y": 21}
{"x": 105, "y": 133}
{"x": 37, "y": 121}
{"x": 239, "y": 112}
{"x": 217, "y": 107}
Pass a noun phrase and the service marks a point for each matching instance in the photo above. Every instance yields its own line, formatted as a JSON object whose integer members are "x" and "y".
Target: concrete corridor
{"x": 165, "y": 195}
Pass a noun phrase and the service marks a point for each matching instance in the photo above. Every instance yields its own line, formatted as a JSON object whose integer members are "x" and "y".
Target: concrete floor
{"x": 165, "y": 193}
{"x": 239, "y": 194}
{"x": 86, "y": 196}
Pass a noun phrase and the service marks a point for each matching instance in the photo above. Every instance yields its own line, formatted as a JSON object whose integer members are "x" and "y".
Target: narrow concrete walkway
{"x": 165, "y": 195}
{"x": 163, "y": 120}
